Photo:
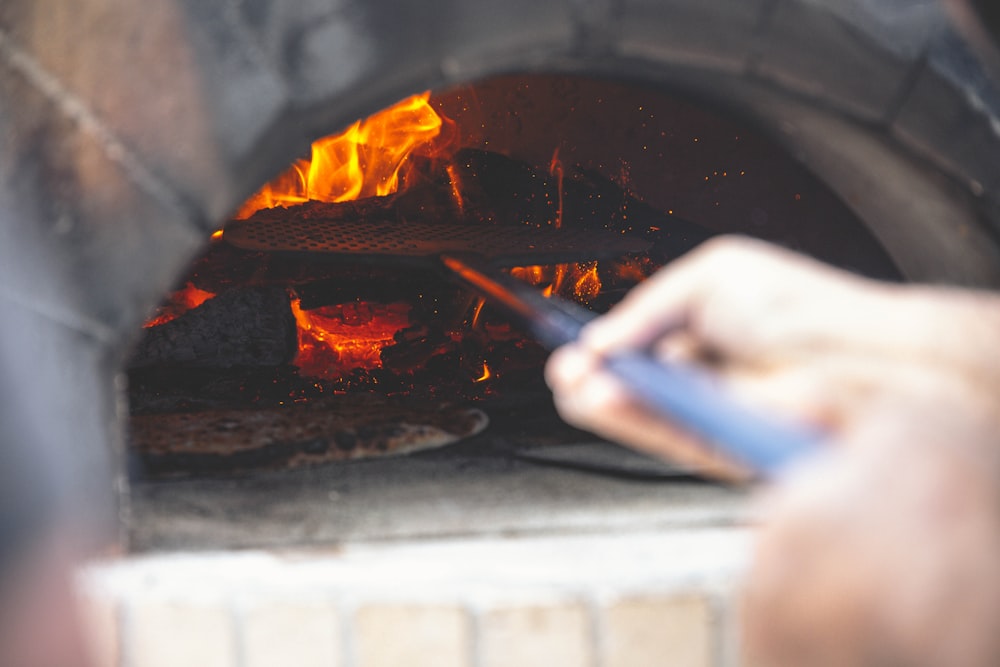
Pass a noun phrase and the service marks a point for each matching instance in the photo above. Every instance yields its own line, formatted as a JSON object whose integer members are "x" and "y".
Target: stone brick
{"x": 811, "y": 48}
{"x": 171, "y": 634}
{"x": 299, "y": 634}
{"x": 412, "y": 636}
{"x": 658, "y": 631}
{"x": 536, "y": 636}
{"x": 385, "y": 50}
{"x": 83, "y": 235}
{"x": 950, "y": 115}
{"x": 177, "y": 83}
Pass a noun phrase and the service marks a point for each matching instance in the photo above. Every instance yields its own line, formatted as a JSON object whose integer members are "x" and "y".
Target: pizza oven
{"x": 228, "y": 373}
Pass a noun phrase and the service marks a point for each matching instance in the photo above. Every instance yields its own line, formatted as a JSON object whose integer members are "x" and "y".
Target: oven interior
{"x": 284, "y": 395}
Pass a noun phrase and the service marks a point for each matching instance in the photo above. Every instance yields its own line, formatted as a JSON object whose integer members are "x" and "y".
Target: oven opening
{"x": 320, "y": 354}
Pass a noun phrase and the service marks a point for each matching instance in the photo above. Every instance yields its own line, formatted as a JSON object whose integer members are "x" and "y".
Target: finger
{"x": 730, "y": 292}
{"x": 596, "y": 401}
{"x": 817, "y": 394}
{"x": 569, "y": 366}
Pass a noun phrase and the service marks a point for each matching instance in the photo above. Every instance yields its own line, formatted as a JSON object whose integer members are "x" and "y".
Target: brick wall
{"x": 609, "y": 600}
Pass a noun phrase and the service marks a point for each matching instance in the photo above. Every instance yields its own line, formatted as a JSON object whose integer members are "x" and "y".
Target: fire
{"x": 181, "y": 301}
{"x": 362, "y": 161}
{"x": 556, "y": 170}
{"x": 580, "y": 281}
{"x": 486, "y": 374}
{"x": 369, "y": 159}
{"x": 334, "y": 340}
{"x": 477, "y": 309}
{"x": 365, "y": 160}
{"x": 588, "y": 284}
{"x": 456, "y": 191}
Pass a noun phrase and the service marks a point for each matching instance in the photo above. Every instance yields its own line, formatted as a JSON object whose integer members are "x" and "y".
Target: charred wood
{"x": 241, "y": 327}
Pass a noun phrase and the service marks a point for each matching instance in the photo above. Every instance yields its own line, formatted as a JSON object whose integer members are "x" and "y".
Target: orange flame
{"x": 181, "y": 301}
{"x": 486, "y": 375}
{"x": 362, "y": 161}
{"x": 556, "y": 169}
{"x": 456, "y": 191}
{"x": 588, "y": 284}
{"x": 579, "y": 281}
{"x": 476, "y": 310}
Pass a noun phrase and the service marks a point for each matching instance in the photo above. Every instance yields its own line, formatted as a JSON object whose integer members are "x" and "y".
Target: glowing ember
{"x": 634, "y": 269}
{"x": 362, "y": 161}
{"x": 180, "y": 302}
{"x": 335, "y": 340}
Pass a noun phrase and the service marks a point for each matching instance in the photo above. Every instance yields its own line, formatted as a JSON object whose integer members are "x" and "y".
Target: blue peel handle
{"x": 694, "y": 400}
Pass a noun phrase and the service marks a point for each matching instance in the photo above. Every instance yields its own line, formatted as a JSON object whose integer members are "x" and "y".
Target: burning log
{"x": 241, "y": 327}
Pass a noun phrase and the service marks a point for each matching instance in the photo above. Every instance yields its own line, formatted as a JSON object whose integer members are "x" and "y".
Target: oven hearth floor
{"x": 477, "y": 488}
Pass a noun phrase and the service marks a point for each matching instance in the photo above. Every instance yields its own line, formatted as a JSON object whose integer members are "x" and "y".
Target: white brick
{"x": 284, "y": 634}
{"x": 166, "y": 634}
{"x": 412, "y": 636}
{"x": 536, "y": 636}
{"x": 660, "y": 630}
{"x": 100, "y": 621}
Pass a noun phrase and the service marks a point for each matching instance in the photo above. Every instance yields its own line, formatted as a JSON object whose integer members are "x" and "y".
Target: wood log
{"x": 241, "y": 327}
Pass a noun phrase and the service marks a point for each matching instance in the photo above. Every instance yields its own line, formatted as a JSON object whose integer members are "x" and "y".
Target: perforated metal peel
{"x": 415, "y": 241}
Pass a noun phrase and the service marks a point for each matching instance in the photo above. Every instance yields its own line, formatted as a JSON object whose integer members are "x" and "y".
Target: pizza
{"x": 212, "y": 442}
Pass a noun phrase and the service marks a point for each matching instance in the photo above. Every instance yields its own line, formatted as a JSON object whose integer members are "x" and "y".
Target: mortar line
{"x": 126, "y": 632}
{"x": 117, "y": 613}
{"x": 906, "y": 87}
{"x": 725, "y": 644}
{"x": 598, "y": 631}
{"x": 347, "y": 613}
{"x": 237, "y": 618}
{"x": 472, "y": 653}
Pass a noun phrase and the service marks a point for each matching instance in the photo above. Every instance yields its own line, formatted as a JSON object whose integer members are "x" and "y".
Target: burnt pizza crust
{"x": 339, "y": 429}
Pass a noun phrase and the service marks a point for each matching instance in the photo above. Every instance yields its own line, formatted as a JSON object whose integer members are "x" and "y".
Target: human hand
{"x": 885, "y": 552}
{"x": 784, "y": 333}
